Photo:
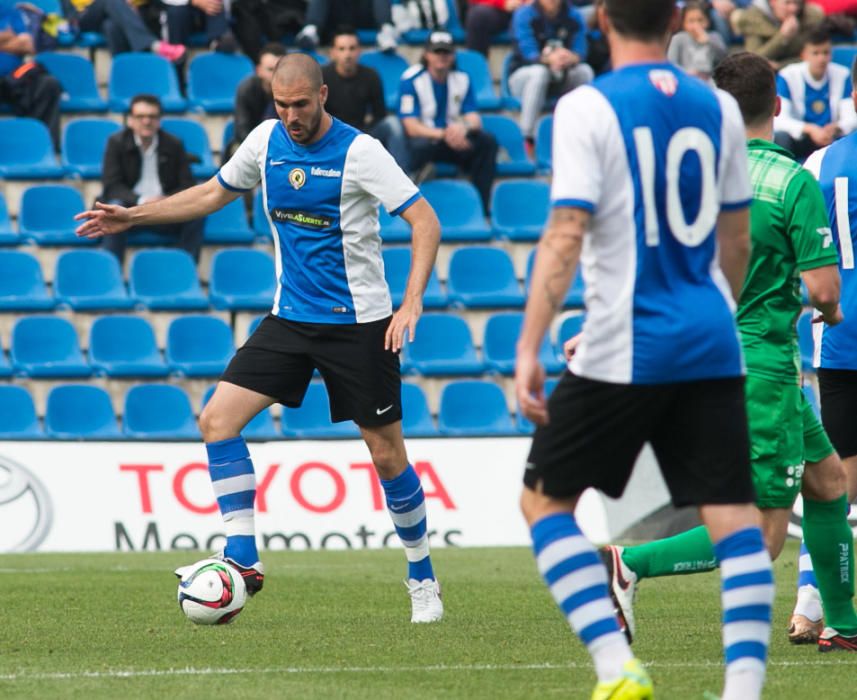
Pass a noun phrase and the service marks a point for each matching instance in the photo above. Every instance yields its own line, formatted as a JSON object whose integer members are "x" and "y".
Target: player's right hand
{"x": 104, "y": 220}
{"x": 530, "y": 388}
{"x": 830, "y": 319}
{"x": 570, "y": 346}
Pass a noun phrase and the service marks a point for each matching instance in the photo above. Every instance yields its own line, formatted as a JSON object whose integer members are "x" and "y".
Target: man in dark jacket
{"x": 143, "y": 163}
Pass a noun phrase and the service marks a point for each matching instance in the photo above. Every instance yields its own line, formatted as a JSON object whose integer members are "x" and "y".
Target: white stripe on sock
{"x": 578, "y": 581}
{"x": 234, "y": 484}
{"x": 416, "y": 550}
{"x": 580, "y": 618}
{"x": 747, "y": 564}
{"x": 239, "y": 514}
{"x": 746, "y": 631}
{"x": 561, "y": 550}
{"x": 748, "y": 595}
{"x": 410, "y": 518}
{"x": 240, "y": 526}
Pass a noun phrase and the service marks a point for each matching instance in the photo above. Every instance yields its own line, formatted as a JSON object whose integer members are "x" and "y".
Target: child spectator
{"x": 694, "y": 48}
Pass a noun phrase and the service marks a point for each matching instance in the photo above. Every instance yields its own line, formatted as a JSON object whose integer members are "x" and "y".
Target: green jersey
{"x": 789, "y": 233}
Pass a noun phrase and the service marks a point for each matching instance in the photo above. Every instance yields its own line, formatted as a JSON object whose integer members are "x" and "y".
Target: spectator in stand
{"x": 26, "y": 87}
{"x": 122, "y": 25}
{"x": 815, "y": 97}
{"x": 694, "y": 48}
{"x": 776, "y": 29}
{"x": 486, "y": 19}
{"x": 323, "y": 16}
{"x": 549, "y": 54}
{"x": 143, "y": 163}
{"x": 355, "y": 95}
{"x": 437, "y": 107}
{"x": 184, "y": 17}
{"x": 721, "y": 15}
{"x": 258, "y": 21}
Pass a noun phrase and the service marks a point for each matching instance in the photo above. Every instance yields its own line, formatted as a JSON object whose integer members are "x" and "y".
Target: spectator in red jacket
{"x": 487, "y": 18}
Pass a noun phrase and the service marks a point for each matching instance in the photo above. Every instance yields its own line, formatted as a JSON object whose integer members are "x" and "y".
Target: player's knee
{"x": 214, "y": 426}
{"x": 825, "y": 480}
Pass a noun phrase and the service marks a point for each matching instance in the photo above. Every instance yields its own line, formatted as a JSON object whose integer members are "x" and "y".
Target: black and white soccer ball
{"x": 211, "y": 592}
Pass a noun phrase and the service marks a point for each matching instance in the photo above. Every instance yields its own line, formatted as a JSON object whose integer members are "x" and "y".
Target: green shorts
{"x": 816, "y": 444}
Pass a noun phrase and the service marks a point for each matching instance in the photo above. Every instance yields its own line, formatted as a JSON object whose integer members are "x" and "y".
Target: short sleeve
{"x": 808, "y": 225}
{"x": 379, "y": 175}
{"x": 734, "y": 174}
{"x": 243, "y": 171}
{"x": 409, "y": 104}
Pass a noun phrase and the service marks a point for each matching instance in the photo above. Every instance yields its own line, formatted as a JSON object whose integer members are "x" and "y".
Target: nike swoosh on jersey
{"x": 382, "y": 411}
{"x": 277, "y": 162}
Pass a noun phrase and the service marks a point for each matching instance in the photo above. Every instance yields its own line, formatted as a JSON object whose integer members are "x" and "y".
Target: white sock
{"x": 609, "y": 655}
{"x": 744, "y": 683}
{"x": 809, "y": 603}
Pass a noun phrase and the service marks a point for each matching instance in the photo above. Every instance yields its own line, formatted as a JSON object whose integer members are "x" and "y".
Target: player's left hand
{"x": 104, "y": 220}
{"x": 405, "y": 319}
{"x": 830, "y": 319}
{"x": 570, "y": 346}
{"x": 530, "y": 388}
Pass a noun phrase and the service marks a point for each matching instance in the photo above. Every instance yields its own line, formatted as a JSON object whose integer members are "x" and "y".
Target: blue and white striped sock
{"x": 806, "y": 574}
{"x": 748, "y": 596}
{"x": 577, "y": 581}
{"x": 234, "y": 483}
{"x": 407, "y": 505}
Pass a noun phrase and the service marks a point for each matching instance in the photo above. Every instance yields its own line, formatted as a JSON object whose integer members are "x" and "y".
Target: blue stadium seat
{"x": 416, "y": 417}
{"x": 18, "y": 419}
{"x": 213, "y": 78}
{"x": 261, "y": 225}
{"x": 47, "y": 346}
{"x": 199, "y": 346}
{"x": 570, "y": 327}
{"x": 89, "y": 280}
{"x": 459, "y": 209}
{"x": 80, "y": 412}
{"x": 22, "y": 286}
{"x": 229, "y": 225}
{"x": 544, "y": 141}
{"x": 125, "y": 346}
{"x": 165, "y": 279}
{"x": 501, "y": 334}
{"x": 195, "y": 140}
{"x": 474, "y": 407}
{"x": 390, "y": 66}
{"x": 83, "y": 145}
{"x": 47, "y": 213}
{"x": 312, "y": 418}
{"x": 8, "y": 236}
{"x": 260, "y": 427}
{"x": 519, "y": 209}
{"x": 443, "y": 345}
{"x": 77, "y": 77}
{"x": 26, "y": 151}
{"x": 476, "y": 66}
{"x": 135, "y": 73}
{"x": 397, "y": 265}
{"x": 574, "y": 298}
{"x": 844, "y": 55}
{"x": 805, "y": 340}
{"x": 512, "y": 159}
{"x": 812, "y": 398}
{"x": 483, "y": 277}
{"x": 158, "y": 412}
{"x": 242, "y": 278}
{"x": 5, "y": 366}
{"x": 228, "y": 135}
{"x": 394, "y": 229}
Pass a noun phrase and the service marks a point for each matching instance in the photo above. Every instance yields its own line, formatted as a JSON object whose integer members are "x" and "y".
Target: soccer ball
{"x": 211, "y": 592}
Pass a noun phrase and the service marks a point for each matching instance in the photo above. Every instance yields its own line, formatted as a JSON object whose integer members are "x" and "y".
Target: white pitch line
{"x": 289, "y": 670}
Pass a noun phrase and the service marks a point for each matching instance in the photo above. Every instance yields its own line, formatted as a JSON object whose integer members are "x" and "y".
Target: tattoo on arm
{"x": 562, "y": 239}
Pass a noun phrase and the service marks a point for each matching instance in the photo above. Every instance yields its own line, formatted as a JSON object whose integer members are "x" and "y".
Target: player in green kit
{"x": 791, "y": 239}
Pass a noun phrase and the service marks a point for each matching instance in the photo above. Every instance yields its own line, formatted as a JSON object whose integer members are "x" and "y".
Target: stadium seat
{"x": 459, "y": 209}
{"x": 135, "y": 73}
{"x": 474, "y": 408}
{"x": 165, "y": 279}
{"x": 519, "y": 209}
{"x": 18, "y": 419}
{"x": 47, "y": 215}
{"x": 242, "y": 278}
{"x": 476, "y": 66}
{"x": 844, "y": 55}
{"x": 812, "y": 398}
{"x": 512, "y": 159}
{"x": 125, "y": 346}
{"x": 390, "y": 66}
{"x": 570, "y": 327}
{"x": 26, "y": 151}
{"x": 76, "y": 74}
{"x": 158, "y": 412}
{"x": 483, "y": 277}
{"x": 416, "y": 417}
{"x": 397, "y": 265}
{"x": 83, "y": 145}
{"x": 229, "y": 225}
{"x": 260, "y": 427}
{"x": 525, "y": 426}
{"x": 501, "y": 335}
{"x": 5, "y": 366}
{"x": 89, "y": 280}
{"x": 8, "y": 235}
{"x": 261, "y": 225}
{"x": 574, "y": 298}
{"x": 213, "y": 79}
{"x": 22, "y": 286}
{"x": 805, "y": 340}
{"x": 442, "y": 346}
{"x": 394, "y": 229}
{"x": 195, "y": 140}
{"x": 544, "y": 141}
{"x": 199, "y": 346}
{"x": 312, "y": 418}
{"x": 510, "y": 102}
{"x": 47, "y": 346}
{"x": 80, "y": 412}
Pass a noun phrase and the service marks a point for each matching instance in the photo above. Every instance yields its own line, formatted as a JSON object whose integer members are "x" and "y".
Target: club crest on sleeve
{"x": 297, "y": 178}
{"x": 665, "y": 81}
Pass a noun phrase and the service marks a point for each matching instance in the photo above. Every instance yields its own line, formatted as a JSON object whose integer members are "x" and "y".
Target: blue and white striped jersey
{"x": 322, "y": 203}
{"x": 654, "y": 155}
{"x": 820, "y": 102}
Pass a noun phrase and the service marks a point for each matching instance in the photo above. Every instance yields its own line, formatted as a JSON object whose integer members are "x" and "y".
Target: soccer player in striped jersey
{"x": 650, "y": 178}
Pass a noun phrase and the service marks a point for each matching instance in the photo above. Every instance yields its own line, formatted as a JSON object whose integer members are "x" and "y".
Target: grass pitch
{"x": 336, "y": 625}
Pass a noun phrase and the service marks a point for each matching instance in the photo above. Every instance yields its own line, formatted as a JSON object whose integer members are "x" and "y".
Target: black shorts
{"x": 838, "y": 393}
{"x": 698, "y": 431}
{"x": 362, "y": 378}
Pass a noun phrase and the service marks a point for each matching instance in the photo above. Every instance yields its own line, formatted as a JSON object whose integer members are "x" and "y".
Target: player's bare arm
{"x": 425, "y": 238}
{"x": 823, "y": 284}
{"x": 733, "y": 239}
{"x": 193, "y": 203}
{"x": 557, "y": 256}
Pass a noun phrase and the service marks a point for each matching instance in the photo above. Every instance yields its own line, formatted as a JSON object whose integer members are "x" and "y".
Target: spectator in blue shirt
{"x": 549, "y": 54}
{"x": 437, "y": 107}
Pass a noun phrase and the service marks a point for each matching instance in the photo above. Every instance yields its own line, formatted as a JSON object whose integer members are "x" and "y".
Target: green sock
{"x": 686, "y": 553}
{"x": 830, "y": 543}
